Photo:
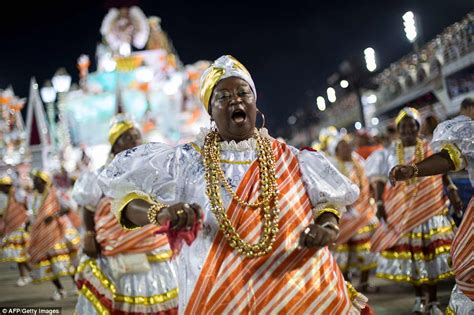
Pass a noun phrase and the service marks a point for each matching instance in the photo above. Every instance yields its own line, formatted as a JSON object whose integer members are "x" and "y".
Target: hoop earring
{"x": 263, "y": 118}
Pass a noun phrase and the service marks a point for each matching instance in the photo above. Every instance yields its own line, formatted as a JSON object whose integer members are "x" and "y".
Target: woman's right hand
{"x": 401, "y": 172}
{"x": 90, "y": 246}
{"x": 181, "y": 216}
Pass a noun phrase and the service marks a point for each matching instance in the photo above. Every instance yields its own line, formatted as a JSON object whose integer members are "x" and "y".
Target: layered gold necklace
{"x": 419, "y": 155}
{"x": 267, "y": 201}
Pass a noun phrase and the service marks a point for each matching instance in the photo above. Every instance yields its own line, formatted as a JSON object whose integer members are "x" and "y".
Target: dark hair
{"x": 467, "y": 103}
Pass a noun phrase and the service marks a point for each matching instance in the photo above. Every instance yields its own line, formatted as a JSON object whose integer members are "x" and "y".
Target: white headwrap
{"x": 224, "y": 67}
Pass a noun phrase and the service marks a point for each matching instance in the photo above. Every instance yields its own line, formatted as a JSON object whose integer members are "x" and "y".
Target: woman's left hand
{"x": 316, "y": 236}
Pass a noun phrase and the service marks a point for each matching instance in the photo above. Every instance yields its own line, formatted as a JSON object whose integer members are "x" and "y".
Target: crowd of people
{"x": 240, "y": 222}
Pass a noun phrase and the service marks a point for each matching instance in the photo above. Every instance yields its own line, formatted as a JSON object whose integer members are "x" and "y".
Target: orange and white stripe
{"x": 113, "y": 239}
{"x": 462, "y": 251}
{"x": 365, "y": 211}
{"x": 408, "y": 206}
{"x": 15, "y": 215}
{"x": 45, "y": 236}
{"x": 289, "y": 280}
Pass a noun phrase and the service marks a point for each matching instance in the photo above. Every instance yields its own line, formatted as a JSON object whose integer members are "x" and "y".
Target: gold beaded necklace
{"x": 267, "y": 200}
{"x": 419, "y": 155}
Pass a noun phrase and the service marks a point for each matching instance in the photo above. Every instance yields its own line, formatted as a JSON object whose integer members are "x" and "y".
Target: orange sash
{"x": 365, "y": 211}
{"x": 462, "y": 251}
{"x": 15, "y": 215}
{"x": 408, "y": 206}
{"x": 114, "y": 240}
{"x": 289, "y": 280}
{"x": 45, "y": 236}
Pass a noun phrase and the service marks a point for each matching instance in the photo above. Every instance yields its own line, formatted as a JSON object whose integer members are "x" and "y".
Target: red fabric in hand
{"x": 176, "y": 237}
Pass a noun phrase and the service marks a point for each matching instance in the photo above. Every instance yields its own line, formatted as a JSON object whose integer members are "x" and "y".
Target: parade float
{"x": 149, "y": 83}
{"x": 138, "y": 73}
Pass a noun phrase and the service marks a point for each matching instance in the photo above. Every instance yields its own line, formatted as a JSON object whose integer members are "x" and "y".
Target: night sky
{"x": 290, "y": 47}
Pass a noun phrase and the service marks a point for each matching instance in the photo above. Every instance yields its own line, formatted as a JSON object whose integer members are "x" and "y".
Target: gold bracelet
{"x": 328, "y": 210}
{"x": 415, "y": 170}
{"x": 153, "y": 211}
{"x": 90, "y": 233}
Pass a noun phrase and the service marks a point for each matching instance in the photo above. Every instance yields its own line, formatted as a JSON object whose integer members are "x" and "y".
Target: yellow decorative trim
{"x": 424, "y": 280}
{"x": 106, "y": 283}
{"x": 54, "y": 277}
{"x": 449, "y": 311}
{"x": 352, "y": 291}
{"x": 127, "y": 225}
{"x": 343, "y": 248}
{"x": 328, "y": 210}
{"x": 455, "y": 155}
{"x": 148, "y": 300}
{"x": 63, "y": 245}
{"x": 118, "y": 129}
{"x": 164, "y": 256}
{"x": 14, "y": 246}
{"x": 99, "y": 307}
{"x": 367, "y": 229}
{"x": 244, "y": 162}
{"x": 430, "y": 234}
{"x": 47, "y": 262}
{"x": 367, "y": 267}
{"x": 7, "y": 180}
{"x": 14, "y": 259}
{"x": 416, "y": 256}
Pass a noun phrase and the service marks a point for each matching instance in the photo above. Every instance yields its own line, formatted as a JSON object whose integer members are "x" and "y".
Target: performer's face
{"x": 129, "y": 139}
{"x": 344, "y": 151}
{"x": 233, "y": 108}
{"x": 408, "y": 129}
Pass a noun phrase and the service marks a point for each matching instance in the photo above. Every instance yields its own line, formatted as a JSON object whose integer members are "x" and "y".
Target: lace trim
{"x": 245, "y": 145}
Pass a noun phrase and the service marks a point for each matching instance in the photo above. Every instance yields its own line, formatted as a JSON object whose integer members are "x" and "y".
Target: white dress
{"x": 176, "y": 174}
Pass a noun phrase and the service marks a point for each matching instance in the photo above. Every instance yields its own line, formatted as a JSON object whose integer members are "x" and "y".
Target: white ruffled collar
{"x": 245, "y": 145}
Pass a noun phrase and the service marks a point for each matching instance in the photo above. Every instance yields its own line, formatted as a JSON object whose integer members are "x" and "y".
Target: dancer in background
{"x": 126, "y": 272}
{"x": 359, "y": 222}
{"x": 15, "y": 238}
{"x": 415, "y": 236}
{"x": 54, "y": 236}
{"x": 453, "y": 140}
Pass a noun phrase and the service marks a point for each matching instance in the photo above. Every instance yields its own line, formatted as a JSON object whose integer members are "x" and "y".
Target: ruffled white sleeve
{"x": 148, "y": 172}
{"x": 377, "y": 166}
{"x": 457, "y": 137}
{"x": 86, "y": 191}
{"x": 326, "y": 186}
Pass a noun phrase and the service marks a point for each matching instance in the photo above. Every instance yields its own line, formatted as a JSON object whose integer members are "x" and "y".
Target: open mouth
{"x": 238, "y": 116}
